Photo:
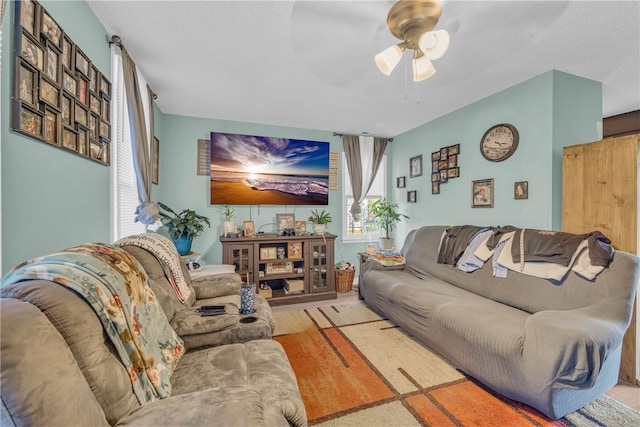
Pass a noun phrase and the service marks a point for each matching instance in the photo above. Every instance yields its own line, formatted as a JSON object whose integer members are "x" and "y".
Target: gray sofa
{"x": 552, "y": 346}
{"x": 59, "y": 368}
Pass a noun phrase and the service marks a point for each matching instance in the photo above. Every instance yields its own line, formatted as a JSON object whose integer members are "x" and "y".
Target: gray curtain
{"x": 354, "y": 165}
{"x": 147, "y": 211}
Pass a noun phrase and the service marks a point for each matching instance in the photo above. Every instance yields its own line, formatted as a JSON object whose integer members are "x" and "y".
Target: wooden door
{"x": 600, "y": 192}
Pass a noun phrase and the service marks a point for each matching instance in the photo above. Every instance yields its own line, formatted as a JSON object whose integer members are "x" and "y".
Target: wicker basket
{"x": 344, "y": 279}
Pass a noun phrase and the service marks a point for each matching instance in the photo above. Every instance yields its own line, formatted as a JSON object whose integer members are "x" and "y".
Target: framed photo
{"x": 50, "y": 29}
{"x": 94, "y": 104}
{"x": 30, "y": 121}
{"x": 82, "y": 63}
{"x": 68, "y": 109}
{"x": 482, "y": 193}
{"x": 249, "y": 228}
{"x": 51, "y": 64}
{"x": 444, "y": 175}
{"x": 98, "y": 151}
{"x": 400, "y": 182}
{"x": 435, "y": 177}
{"x": 27, "y": 15}
{"x": 93, "y": 79}
{"x": 412, "y": 196}
{"x": 453, "y": 161}
{"x": 435, "y": 156}
{"x": 521, "y": 190}
{"x": 301, "y": 227}
{"x": 294, "y": 251}
{"x": 69, "y": 139}
{"x": 70, "y": 83}
{"x": 27, "y": 83}
{"x": 285, "y": 222}
{"x": 31, "y": 52}
{"x": 93, "y": 126}
{"x": 105, "y": 110}
{"x": 444, "y": 153}
{"x": 415, "y": 166}
{"x": 51, "y": 126}
{"x": 268, "y": 253}
{"x": 49, "y": 93}
{"x": 155, "y": 165}
{"x": 105, "y": 88}
{"x": 81, "y": 115}
{"x": 67, "y": 52}
{"x": 454, "y": 149}
{"x": 83, "y": 139}
{"x": 435, "y": 188}
{"x": 105, "y": 131}
{"x": 83, "y": 91}
{"x": 453, "y": 172}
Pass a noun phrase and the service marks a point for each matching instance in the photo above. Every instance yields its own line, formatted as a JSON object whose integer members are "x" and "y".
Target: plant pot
{"x": 386, "y": 244}
{"x": 319, "y": 228}
{"x": 183, "y": 245}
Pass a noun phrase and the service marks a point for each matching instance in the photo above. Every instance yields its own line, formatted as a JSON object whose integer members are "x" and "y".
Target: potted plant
{"x": 182, "y": 227}
{"x": 319, "y": 220}
{"x": 228, "y": 226}
{"x": 386, "y": 217}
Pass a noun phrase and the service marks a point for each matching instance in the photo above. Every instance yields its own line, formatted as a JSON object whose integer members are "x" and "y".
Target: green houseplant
{"x": 387, "y": 218}
{"x": 182, "y": 227}
{"x": 228, "y": 226}
{"x": 319, "y": 220}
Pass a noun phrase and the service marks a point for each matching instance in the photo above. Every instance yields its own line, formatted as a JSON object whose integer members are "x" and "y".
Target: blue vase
{"x": 183, "y": 244}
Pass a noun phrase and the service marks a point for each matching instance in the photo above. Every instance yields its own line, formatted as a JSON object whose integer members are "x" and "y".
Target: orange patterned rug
{"x": 357, "y": 369}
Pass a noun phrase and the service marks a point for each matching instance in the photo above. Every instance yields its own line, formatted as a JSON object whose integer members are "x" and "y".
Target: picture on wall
{"x": 253, "y": 170}
{"x": 521, "y": 190}
{"x": 482, "y": 193}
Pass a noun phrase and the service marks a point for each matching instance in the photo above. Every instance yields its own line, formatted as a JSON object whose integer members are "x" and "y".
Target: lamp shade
{"x": 422, "y": 68}
{"x": 388, "y": 59}
{"x": 434, "y": 43}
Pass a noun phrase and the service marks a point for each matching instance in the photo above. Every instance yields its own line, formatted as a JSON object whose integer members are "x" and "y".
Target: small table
{"x": 191, "y": 257}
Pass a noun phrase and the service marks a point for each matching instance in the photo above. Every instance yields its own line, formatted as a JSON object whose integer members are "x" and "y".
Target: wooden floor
{"x": 627, "y": 394}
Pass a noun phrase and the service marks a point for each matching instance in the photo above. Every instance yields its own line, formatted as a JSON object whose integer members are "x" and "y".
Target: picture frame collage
{"x": 444, "y": 166}
{"x": 59, "y": 95}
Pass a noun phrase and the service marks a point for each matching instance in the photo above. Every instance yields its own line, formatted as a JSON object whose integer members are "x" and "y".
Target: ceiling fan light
{"x": 434, "y": 44}
{"x": 422, "y": 69}
{"x": 388, "y": 59}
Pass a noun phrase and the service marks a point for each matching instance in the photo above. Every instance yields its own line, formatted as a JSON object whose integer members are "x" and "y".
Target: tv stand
{"x": 296, "y": 268}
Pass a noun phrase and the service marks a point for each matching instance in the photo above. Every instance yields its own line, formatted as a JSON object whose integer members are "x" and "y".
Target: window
{"x": 124, "y": 187}
{"x": 365, "y": 229}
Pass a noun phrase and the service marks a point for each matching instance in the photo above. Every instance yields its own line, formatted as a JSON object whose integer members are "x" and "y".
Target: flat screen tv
{"x": 257, "y": 170}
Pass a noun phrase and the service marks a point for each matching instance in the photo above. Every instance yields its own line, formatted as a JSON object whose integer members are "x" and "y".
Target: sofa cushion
{"x": 31, "y": 389}
{"x": 216, "y": 285}
{"x": 78, "y": 324}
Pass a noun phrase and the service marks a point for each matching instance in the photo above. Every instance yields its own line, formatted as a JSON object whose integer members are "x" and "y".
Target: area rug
{"x": 355, "y": 368}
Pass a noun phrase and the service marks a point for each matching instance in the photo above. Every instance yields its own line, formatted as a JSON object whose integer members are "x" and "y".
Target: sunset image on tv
{"x": 255, "y": 170}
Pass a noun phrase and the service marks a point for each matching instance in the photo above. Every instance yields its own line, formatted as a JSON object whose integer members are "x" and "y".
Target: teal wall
{"x": 550, "y": 111}
{"x": 51, "y": 199}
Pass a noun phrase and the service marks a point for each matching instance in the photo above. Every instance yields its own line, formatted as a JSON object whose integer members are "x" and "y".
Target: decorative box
{"x": 294, "y": 285}
{"x": 279, "y": 267}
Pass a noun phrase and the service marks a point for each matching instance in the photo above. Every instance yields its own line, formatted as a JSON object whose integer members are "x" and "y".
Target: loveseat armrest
{"x": 567, "y": 348}
{"x": 216, "y": 285}
{"x": 371, "y": 265}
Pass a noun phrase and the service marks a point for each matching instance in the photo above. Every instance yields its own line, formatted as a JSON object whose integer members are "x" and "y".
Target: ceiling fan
{"x": 412, "y": 21}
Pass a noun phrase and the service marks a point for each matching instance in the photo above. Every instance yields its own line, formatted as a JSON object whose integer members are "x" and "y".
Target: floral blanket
{"x": 115, "y": 285}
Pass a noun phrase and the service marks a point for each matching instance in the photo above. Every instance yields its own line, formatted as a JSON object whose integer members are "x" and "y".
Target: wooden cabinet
{"x": 600, "y": 192}
{"x": 296, "y": 268}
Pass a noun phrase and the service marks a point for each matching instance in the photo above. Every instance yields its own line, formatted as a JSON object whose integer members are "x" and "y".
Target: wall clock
{"x": 499, "y": 142}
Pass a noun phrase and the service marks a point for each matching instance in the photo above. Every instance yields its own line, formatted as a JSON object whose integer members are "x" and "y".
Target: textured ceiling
{"x": 309, "y": 64}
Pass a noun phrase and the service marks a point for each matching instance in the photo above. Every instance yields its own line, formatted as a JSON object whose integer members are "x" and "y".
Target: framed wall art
{"x": 482, "y": 193}
{"x": 435, "y": 188}
{"x": 415, "y": 166}
{"x": 59, "y": 97}
{"x": 412, "y": 196}
{"x": 294, "y": 251}
{"x": 155, "y": 160}
{"x": 400, "y": 182}
{"x": 521, "y": 190}
{"x": 285, "y": 222}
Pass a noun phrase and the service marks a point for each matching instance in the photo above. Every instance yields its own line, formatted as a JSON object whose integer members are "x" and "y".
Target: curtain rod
{"x": 341, "y": 134}
{"x": 115, "y": 39}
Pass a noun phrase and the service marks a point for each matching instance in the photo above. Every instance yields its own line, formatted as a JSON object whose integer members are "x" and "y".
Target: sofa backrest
{"x": 77, "y": 323}
{"x": 528, "y": 293}
{"x": 159, "y": 282}
{"x": 42, "y": 383}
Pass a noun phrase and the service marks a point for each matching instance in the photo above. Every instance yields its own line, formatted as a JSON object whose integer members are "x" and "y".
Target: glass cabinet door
{"x": 241, "y": 256}
{"x": 319, "y": 267}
